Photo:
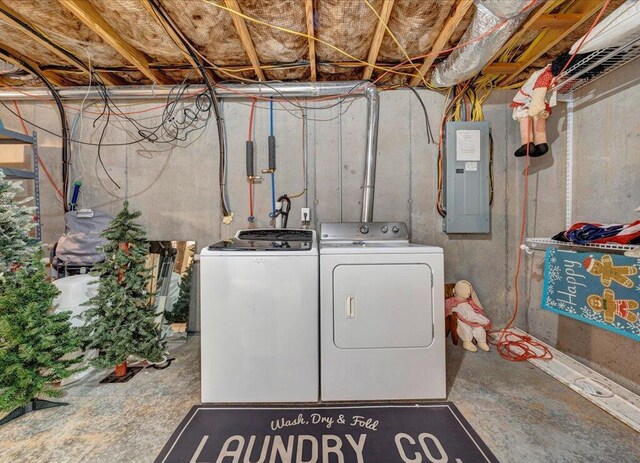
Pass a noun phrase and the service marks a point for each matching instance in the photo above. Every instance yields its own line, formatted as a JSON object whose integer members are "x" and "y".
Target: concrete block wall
{"x": 176, "y": 188}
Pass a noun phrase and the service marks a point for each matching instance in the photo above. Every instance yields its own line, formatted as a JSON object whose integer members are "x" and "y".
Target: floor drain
{"x": 592, "y": 387}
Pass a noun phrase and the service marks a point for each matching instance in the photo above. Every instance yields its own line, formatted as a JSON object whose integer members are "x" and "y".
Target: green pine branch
{"x": 180, "y": 312}
{"x": 35, "y": 342}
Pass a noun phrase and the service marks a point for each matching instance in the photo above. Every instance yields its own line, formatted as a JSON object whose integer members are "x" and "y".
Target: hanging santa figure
{"x": 531, "y": 109}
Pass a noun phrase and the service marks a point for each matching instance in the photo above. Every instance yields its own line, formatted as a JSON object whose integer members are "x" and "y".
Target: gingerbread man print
{"x": 608, "y": 272}
{"x": 612, "y": 307}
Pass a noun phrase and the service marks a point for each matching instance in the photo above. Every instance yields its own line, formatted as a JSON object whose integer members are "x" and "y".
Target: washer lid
{"x": 235, "y": 244}
{"x": 275, "y": 234}
{"x": 268, "y": 239}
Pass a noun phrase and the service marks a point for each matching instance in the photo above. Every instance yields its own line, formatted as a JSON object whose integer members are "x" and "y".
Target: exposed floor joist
{"x": 308, "y": 11}
{"x": 376, "y": 42}
{"x": 169, "y": 26}
{"x": 178, "y": 37}
{"x": 21, "y": 23}
{"x": 556, "y": 21}
{"x": 245, "y": 37}
{"x": 12, "y": 56}
{"x": 551, "y": 38}
{"x": 441, "y": 41}
{"x": 501, "y": 68}
{"x": 85, "y": 12}
{"x": 529, "y": 24}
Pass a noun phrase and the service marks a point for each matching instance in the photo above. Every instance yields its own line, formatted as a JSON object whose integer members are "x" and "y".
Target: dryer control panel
{"x": 364, "y": 231}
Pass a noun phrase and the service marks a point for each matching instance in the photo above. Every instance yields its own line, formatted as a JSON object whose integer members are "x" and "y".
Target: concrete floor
{"x": 520, "y": 412}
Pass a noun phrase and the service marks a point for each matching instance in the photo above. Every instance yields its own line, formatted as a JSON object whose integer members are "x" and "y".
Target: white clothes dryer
{"x": 381, "y": 314}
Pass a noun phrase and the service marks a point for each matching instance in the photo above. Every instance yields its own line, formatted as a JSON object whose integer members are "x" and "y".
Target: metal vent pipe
{"x": 287, "y": 89}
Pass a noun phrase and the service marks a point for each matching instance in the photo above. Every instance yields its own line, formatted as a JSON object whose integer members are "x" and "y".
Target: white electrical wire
{"x": 77, "y": 154}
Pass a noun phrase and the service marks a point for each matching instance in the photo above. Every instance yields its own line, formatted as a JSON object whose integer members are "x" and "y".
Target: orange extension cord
{"x": 511, "y": 346}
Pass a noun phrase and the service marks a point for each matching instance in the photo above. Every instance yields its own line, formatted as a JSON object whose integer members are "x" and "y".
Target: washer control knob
{"x": 384, "y": 229}
{"x": 395, "y": 229}
{"x": 364, "y": 229}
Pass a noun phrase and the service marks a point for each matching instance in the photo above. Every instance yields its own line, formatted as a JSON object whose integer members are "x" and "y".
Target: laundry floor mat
{"x": 430, "y": 432}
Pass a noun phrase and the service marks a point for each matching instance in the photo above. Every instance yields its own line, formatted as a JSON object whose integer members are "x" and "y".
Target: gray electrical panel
{"x": 466, "y": 177}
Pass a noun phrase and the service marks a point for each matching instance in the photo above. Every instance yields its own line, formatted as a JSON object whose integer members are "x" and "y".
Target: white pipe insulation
{"x": 494, "y": 21}
{"x": 287, "y": 89}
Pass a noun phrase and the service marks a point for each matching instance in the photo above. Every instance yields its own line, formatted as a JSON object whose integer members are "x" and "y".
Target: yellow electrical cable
{"x": 307, "y": 36}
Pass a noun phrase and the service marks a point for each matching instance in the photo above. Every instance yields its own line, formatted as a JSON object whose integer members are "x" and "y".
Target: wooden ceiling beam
{"x": 459, "y": 10}
{"x": 517, "y": 36}
{"x": 501, "y": 68}
{"x": 17, "y": 59}
{"x": 381, "y": 29}
{"x": 15, "y": 19}
{"x": 170, "y": 28}
{"x": 551, "y": 38}
{"x": 86, "y": 13}
{"x": 156, "y": 10}
{"x": 245, "y": 37}
{"x": 308, "y": 10}
{"x": 556, "y": 21}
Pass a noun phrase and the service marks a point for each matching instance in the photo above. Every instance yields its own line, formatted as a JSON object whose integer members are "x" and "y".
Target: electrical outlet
{"x": 305, "y": 215}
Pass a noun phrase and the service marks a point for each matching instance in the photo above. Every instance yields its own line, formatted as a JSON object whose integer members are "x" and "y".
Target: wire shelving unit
{"x": 597, "y": 64}
{"x": 542, "y": 244}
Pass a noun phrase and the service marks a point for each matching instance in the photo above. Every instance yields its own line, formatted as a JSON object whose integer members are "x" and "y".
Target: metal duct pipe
{"x": 494, "y": 22}
{"x": 146, "y": 92}
{"x": 369, "y": 185}
{"x": 302, "y": 89}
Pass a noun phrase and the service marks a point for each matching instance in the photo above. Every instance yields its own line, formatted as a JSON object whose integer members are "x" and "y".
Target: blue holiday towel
{"x": 596, "y": 288}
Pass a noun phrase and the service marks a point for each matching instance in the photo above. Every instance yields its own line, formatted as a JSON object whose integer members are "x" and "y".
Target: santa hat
{"x": 588, "y": 263}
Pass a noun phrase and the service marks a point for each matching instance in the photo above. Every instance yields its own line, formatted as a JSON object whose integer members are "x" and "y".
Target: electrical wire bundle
{"x": 465, "y": 105}
{"x": 178, "y": 120}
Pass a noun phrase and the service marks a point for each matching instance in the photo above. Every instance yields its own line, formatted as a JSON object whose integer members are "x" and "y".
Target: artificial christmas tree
{"x": 180, "y": 312}
{"x": 16, "y": 222}
{"x": 120, "y": 321}
{"x": 34, "y": 340}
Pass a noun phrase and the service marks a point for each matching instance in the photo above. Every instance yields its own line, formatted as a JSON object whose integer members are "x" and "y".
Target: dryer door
{"x": 382, "y": 306}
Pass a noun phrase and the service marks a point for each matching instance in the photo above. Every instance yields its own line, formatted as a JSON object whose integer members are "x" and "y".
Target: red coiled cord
{"x": 511, "y": 346}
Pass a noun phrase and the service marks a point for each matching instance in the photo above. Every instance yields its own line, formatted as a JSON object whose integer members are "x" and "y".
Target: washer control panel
{"x": 364, "y": 231}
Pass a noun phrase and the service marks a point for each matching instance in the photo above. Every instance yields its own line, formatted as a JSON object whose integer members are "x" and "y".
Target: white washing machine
{"x": 381, "y": 314}
{"x": 259, "y": 317}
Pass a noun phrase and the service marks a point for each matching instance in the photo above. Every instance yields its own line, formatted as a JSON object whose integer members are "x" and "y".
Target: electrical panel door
{"x": 467, "y": 178}
{"x": 382, "y": 306}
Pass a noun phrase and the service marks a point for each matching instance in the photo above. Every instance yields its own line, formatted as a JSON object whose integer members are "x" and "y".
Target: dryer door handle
{"x": 350, "y": 307}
